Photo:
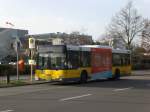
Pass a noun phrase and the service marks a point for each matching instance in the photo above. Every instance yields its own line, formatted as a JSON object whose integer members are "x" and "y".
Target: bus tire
{"x": 83, "y": 77}
{"x": 117, "y": 74}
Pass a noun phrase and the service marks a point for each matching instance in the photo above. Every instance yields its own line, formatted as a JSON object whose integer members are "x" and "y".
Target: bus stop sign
{"x": 31, "y": 43}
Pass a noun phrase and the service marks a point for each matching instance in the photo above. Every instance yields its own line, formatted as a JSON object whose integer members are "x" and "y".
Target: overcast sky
{"x": 47, "y": 16}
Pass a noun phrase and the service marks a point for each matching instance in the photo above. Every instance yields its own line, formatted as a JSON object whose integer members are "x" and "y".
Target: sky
{"x": 47, "y": 16}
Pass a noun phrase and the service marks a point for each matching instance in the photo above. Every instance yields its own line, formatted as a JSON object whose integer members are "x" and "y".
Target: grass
{"x": 13, "y": 83}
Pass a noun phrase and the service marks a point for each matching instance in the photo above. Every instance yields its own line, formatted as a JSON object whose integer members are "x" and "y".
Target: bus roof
{"x": 123, "y": 51}
{"x": 73, "y": 47}
{"x": 85, "y": 47}
{"x": 88, "y": 47}
{"x": 96, "y": 46}
{"x": 44, "y": 48}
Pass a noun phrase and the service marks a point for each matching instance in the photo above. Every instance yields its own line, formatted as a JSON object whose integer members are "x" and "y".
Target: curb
{"x": 26, "y": 84}
{"x": 140, "y": 74}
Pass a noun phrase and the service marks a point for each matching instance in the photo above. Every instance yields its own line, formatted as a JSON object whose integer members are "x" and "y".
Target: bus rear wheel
{"x": 83, "y": 77}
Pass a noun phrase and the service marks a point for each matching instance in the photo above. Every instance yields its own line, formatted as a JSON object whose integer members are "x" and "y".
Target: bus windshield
{"x": 51, "y": 57}
{"x": 52, "y": 61}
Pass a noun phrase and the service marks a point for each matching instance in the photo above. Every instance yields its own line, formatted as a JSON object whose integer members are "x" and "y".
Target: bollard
{"x": 8, "y": 77}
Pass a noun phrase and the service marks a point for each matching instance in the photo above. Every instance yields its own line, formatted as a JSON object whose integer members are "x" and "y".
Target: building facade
{"x": 7, "y": 38}
{"x": 63, "y": 38}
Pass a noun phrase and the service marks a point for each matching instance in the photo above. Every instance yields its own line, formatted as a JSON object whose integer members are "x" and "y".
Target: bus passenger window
{"x": 85, "y": 59}
{"x": 73, "y": 59}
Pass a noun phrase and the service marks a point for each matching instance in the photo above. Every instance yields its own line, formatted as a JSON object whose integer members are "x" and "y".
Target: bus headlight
{"x": 60, "y": 79}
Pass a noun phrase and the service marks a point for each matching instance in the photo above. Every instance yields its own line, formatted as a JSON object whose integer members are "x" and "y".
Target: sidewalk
{"x": 21, "y": 77}
{"x": 141, "y": 72}
{"x": 23, "y": 80}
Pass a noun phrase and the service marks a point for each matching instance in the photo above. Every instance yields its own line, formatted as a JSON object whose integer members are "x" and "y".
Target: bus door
{"x": 73, "y": 64}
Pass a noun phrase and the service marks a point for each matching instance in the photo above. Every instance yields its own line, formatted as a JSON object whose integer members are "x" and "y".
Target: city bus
{"x": 67, "y": 63}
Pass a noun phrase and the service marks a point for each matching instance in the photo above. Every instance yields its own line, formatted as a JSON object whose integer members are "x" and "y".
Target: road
{"x": 130, "y": 94}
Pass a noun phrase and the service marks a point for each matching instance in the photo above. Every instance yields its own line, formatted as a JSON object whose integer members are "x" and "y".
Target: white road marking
{"x": 7, "y": 111}
{"x": 122, "y": 89}
{"x": 75, "y": 97}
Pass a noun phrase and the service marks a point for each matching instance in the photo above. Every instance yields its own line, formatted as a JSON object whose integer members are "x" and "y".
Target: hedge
{"x": 12, "y": 70}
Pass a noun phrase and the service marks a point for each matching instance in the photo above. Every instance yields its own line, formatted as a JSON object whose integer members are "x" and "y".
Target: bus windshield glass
{"x": 53, "y": 59}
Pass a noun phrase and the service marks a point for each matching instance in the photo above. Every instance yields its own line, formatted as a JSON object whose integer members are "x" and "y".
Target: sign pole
{"x": 31, "y": 65}
{"x": 17, "y": 46}
{"x": 17, "y": 66}
{"x": 31, "y": 47}
{"x": 17, "y": 52}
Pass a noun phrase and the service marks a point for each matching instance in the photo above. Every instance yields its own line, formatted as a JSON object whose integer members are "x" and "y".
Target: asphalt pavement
{"x": 130, "y": 94}
{"x": 141, "y": 72}
{"x": 27, "y": 76}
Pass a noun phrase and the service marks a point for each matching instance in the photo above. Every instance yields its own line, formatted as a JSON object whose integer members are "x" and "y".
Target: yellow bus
{"x": 67, "y": 63}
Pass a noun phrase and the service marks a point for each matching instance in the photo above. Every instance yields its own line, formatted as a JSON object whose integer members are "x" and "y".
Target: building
{"x": 7, "y": 39}
{"x": 63, "y": 38}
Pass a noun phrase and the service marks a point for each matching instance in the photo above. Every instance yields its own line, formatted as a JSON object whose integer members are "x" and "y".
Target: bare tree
{"x": 146, "y": 36}
{"x": 126, "y": 25}
{"x": 104, "y": 39}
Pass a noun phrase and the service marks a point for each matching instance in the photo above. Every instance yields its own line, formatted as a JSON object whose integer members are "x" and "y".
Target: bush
{"x": 5, "y": 69}
{"x": 12, "y": 70}
{"x": 141, "y": 66}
